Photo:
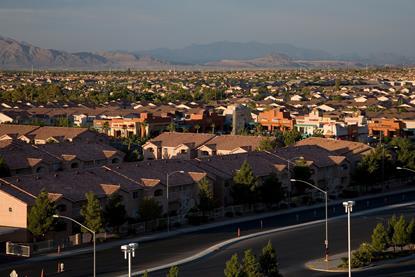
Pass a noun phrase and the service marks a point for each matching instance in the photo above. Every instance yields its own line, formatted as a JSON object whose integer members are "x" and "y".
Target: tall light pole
{"x": 348, "y": 206}
{"x": 83, "y": 226}
{"x": 129, "y": 250}
{"x": 167, "y": 195}
{"x": 326, "y": 242}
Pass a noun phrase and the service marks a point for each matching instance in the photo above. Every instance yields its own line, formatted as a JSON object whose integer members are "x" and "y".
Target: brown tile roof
{"x": 231, "y": 142}
{"x": 19, "y": 155}
{"x": 351, "y": 149}
{"x": 72, "y": 185}
{"x": 16, "y": 130}
{"x": 62, "y": 133}
{"x": 174, "y": 139}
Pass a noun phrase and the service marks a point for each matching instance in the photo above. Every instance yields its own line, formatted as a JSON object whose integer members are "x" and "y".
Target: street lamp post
{"x": 326, "y": 242}
{"x": 83, "y": 226}
{"x": 167, "y": 195}
{"x": 348, "y": 206}
{"x": 129, "y": 250}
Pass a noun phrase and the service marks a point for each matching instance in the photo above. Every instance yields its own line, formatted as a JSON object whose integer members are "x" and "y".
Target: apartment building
{"x": 276, "y": 119}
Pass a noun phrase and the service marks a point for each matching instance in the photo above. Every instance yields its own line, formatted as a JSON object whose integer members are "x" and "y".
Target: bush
{"x": 361, "y": 257}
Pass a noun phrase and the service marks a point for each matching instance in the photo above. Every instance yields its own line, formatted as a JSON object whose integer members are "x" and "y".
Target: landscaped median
{"x": 389, "y": 244}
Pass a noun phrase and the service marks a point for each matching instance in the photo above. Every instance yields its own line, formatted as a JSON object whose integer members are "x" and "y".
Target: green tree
{"x": 250, "y": 265}
{"x": 206, "y": 200}
{"x": 173, "y": 272}
{"x": 400, "y": 235}
{"x": 411, "y": 231}
{"x": 92, "y": 213}
{"x": 391, "y": 228}
{"x": 197, "y": 127}
{"x": 40, "y": 218}
{"x": 4, "y": 168}
{"x": 362, "y": 256}
{"x": 379, "y": 238}
{"x": 267, "y": 144}
{"x": 268, "y": 261}
{"x": 171, "y": 127}
{"x": 244, "y": 187}
{"x": 233, "y": 267}
{"x": 114, "y": 212}
{"x": 145, "y": 274}
{"x": 149, "y": 209}
{"x": 405, "y": 153}
{"x": 270, "y": 191}
{"x": 373, "y": 168}
{"x": 291, "y": 137}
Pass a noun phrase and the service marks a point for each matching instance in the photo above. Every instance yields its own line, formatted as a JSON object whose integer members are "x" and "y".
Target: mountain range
{"x": 22, "y": 55}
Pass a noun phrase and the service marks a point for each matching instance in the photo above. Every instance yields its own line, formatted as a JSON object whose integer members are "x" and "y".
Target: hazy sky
{"x": 338, "y": 26}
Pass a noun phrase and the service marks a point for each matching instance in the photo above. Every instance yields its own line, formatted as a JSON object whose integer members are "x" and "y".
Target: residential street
{"x": 289, "y": 244}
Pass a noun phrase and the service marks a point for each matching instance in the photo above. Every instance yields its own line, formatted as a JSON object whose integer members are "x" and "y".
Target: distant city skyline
{"x": 340, "y": 27}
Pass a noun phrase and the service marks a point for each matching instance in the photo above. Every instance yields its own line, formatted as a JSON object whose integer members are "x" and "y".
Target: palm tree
{"x": 197, "y": 127}
{"x": 213, "y": 127}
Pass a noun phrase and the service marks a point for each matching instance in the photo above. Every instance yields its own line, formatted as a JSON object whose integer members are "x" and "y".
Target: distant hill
{"x": 269, "y": 61}
{"x": 22, "y": 55}
{"x": 225, "y": 50}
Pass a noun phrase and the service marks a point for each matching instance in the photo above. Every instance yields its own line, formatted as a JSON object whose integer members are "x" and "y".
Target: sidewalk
{"x": 190, "y": 229}
{"x": 332, "y": 265}
{"x": 334, "y": 261}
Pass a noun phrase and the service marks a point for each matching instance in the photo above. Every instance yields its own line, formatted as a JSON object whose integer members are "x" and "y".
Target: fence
{"x": 17, "y": 249}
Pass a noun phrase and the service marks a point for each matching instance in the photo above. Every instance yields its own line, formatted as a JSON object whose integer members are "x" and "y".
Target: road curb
{"x": 229, "y": 242}
{"x": 376, "y": 265}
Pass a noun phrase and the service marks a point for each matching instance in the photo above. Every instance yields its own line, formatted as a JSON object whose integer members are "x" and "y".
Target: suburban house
{"x": 228, "y": 144}
{"x": 276, "y": 119}
{"x": 173, "y": 145}
{"x": 144, "y": 125}
{"x": 385, "y": 127}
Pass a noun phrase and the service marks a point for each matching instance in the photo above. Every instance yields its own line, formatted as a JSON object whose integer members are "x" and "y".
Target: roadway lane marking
{"x": 228, "y": 242}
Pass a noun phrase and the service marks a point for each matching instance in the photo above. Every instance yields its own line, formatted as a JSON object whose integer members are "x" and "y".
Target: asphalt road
{"x": 300, "y": 245}
{"x": 294, "y": 247}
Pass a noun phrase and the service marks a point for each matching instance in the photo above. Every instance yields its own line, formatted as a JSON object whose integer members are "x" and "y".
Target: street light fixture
{"x": 167, "y": 195}
{"x": 348, "y": 206}
{"x": 129, "y": 250}
{"x": 326, "y": 242}
{"x": 88, "y": 229}
{"x": 405, "y": 168}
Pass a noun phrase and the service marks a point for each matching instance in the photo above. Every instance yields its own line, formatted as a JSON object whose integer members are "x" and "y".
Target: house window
{"x": 151, "y": 150}
{"x": 183, "y": 151}
{"x": 135, "y": 194}
{"x": 115, "y": 160}
{"x": 205, "y": 153}
{"x": 158, "y": 192}
{"x": 10, "y": 209}
{"x": 344, "y": 166}
{"x": 74, "y": 165}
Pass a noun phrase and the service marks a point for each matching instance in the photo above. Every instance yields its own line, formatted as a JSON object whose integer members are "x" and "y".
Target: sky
{"x": 337, "y": 26}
